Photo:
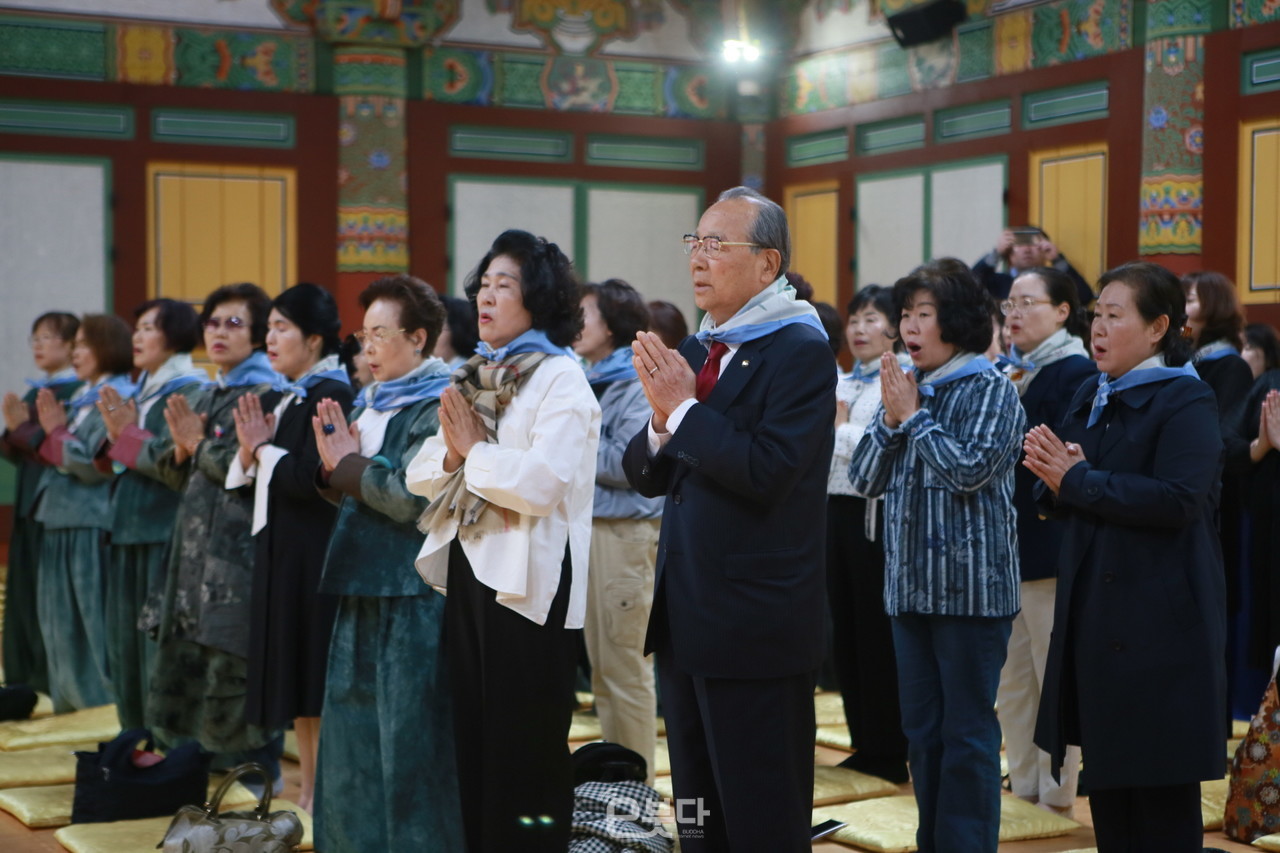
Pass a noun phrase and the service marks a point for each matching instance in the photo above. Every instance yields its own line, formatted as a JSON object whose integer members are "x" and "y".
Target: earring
{"x": 417, "y": 352}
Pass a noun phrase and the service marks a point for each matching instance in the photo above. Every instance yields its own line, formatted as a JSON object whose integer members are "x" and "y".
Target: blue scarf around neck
{"x": 615, "y": 367}
{"x": 254, "y": 370}
{"x": 1108, "y": 386}
{"x": 91, "y": 395}
{"x": 942, "y": 376}
{"x": 763, "y": 314}
{"x": 65, "y": 376}
{"x": 534, "y": 340}
{"x": 1214, "y": 351}
{"x": 425, "y": 382}
{"x": 328, "y": 367}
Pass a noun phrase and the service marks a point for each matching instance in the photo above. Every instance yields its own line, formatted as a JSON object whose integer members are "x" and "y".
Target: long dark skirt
{"x": 72, "y": 617}
{"x": 289, "y": 631}
{"x": 137, "y": 571}
{"x": 24, "y": 658}
{"x": 386, "y": 777}
{"x": 512, "y": 680}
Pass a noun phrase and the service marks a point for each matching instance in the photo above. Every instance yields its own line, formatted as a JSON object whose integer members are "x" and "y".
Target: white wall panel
{"x": 891, "y": 218}
{"x": 53, "y": 251}
{"x": 484, "y": 209}
{"x": 635, "y": 236}
{"x": 966, "y": 210}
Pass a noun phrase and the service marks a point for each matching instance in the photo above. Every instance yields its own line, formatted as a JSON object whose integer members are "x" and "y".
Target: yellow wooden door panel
{"x": 214, "y": 224}
{"x": 1068, "y": 191}
{"x": 813, "y": 216}
{"x": 1258, "y": 228}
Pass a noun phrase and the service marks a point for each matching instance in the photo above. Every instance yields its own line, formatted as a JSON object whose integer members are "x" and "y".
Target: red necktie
{"x": 710, "y": 371}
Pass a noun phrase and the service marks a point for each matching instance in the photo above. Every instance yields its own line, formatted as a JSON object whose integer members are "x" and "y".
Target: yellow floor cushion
{"x": 1213, "y": 802}
{"x": 50, "y": 805}
{"x": 44, "y": 706}
{"x": 585, "y": 726}
{"x": 830, "y": 785}
{"x": 290, "y": 745}
{"x": 833, "y": 785}
{"x": 828, "y": 709}
{"x": 131, "y": 836}
{"x": 45, "y": 765}
{"x": 586, "y": 700}
{"x": 888, "y": 824}
{"x": 1239, "y": 728}
{"x": 835, "y": 736}
{"x": 1268, "y": 842}
{"x": 91, "y": 724}
{"x": 661, "y": 758}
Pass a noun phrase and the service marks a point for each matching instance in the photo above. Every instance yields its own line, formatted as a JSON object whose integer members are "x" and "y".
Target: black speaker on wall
{"x": 927, "y": 22}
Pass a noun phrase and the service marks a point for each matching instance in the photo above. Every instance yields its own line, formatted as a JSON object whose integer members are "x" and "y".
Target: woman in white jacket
{"x": 510, "y": 477}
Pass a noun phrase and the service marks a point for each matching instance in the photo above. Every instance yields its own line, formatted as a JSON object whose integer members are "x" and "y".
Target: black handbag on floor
{"x": 17, "y": 701}
{"x": 122, "y": 782}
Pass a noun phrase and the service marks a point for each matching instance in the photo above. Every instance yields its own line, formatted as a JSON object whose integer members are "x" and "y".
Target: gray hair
{"x": 770, "y": 226}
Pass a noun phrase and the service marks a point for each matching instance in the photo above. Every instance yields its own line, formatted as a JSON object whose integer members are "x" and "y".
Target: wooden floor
{"x": 16, "y": 838}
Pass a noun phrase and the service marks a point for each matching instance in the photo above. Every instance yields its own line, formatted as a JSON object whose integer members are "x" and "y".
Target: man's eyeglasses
{"x": 710, "y": 245}
{"x": 377, "y": 336}
{"x": 43, "y": 339}
{"x": 1023, "y": 305}
{"x": 215, "y": 323}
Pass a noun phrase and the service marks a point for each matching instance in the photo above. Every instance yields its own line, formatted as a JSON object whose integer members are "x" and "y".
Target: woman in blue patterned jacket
{"x": 942, "y": 451}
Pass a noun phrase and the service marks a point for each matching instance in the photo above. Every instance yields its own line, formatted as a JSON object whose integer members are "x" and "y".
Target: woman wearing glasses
{"x": 1047, "y": 363}
{"x": 75, "y": 511}
{"x": 144, "y": 502}
{"x": 52, "y": 336}
{"x": 510, "y": 477}
{"x": 198, "y": 679}
{"x": 1139, "y": 631}
{"x": 386, "y": 777}
{"x": 291, "y": 619}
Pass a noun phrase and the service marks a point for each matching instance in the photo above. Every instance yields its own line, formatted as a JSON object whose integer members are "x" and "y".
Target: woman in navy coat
{"x": 1047, "y": 363}
{"x": 1136, "y": 670}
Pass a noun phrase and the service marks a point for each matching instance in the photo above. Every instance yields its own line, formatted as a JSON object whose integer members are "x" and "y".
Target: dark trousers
{"x": 741, "y": 760}
{"x": 862, "y": 640}
{"x": 948, "y": 671}
{"x": 512, "y": 683}
{"x": 1164, "y": 819}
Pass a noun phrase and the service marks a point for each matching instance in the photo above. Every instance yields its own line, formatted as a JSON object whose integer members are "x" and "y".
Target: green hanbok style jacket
{"x": 198, "y": 683}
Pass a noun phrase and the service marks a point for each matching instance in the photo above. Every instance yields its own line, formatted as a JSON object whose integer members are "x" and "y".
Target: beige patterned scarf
{"x": 489, "y": 387}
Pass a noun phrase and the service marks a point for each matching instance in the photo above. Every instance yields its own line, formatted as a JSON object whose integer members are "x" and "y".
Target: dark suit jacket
{"x": 1045, "y": 402}
{"x": 1139, "y": 630}
{"x": 740, "y": 576}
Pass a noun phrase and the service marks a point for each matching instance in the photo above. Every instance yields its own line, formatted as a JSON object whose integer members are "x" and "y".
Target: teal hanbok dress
{"x": 23, "y": 647}
{"x": 75, "y": 508}
{"x": 144, "y": 507}
{"x": 386, "y": 777}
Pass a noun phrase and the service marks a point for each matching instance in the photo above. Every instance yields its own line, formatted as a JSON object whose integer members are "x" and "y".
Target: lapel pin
{"x": 745, "y": 362}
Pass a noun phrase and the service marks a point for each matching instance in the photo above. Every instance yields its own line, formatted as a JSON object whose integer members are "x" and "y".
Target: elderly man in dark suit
{"x": 739, "y": 443}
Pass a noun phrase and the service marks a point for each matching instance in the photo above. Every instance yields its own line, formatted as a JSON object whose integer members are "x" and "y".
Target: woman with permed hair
{"x": 52, "y": 336}
{"x": 75, "y": 511}
{"x": 197, "y": 688}
{"x": 385, "y": 772}
{"x": 1139, "y": 624}
{"x": 144, "y": 503}
{"x": 941, "y": 450}
{"x": 510, "y": 477}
